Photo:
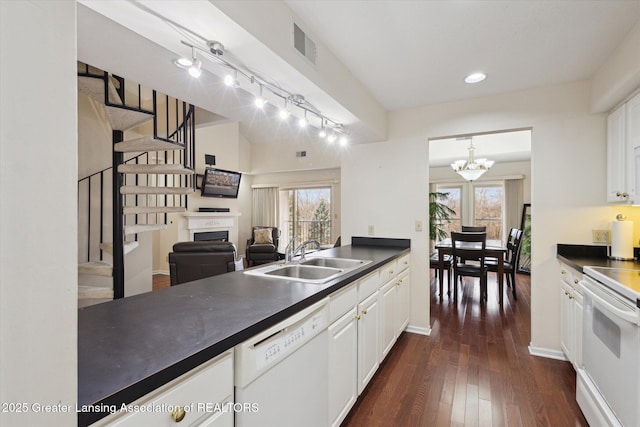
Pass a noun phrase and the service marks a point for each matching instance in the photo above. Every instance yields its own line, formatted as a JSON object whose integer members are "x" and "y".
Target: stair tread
{"x": 94, "y": 88}
{"x": 132, "y": 210}
{"x": 155, "y": 169}
{"x": 142, "y": 228}
{"x": 124, "y": 118}
{"x": 147, "y": 143}
{"x": 138, "y": 189}
{"x": 128, "y": 247}
{"x": 100, "y": 268}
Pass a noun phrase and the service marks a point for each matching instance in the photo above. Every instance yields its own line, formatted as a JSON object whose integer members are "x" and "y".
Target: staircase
{"x": 150, "y": 177}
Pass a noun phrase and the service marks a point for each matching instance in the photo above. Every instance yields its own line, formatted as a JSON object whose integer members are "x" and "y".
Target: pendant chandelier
{"x": 471, "y": 169}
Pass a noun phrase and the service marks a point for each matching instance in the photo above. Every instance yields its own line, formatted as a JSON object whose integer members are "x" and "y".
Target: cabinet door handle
{"x": 575, "y": 281}
{"x": 390, "y": 271}
{"x": 357, "y": 317}
{"x": 364, "y": 311}
{"x": 563, "y": 272}
{"x": 178, "y": 414}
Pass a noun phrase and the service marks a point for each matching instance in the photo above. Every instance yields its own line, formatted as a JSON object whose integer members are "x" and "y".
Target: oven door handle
{"x": 629, "y": 315}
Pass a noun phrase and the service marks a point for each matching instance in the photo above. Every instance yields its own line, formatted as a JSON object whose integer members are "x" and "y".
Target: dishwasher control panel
{"x": 258, "y": 354}
{"x": 289, "y": 339}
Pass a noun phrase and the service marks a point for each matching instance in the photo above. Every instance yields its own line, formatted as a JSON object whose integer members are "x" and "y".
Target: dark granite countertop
{"x": 130, "y": 347}
{"x": 579, "y": 256}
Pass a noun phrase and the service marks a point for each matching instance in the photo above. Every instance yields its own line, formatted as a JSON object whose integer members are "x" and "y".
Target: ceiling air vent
{"x": 304, "y": 44}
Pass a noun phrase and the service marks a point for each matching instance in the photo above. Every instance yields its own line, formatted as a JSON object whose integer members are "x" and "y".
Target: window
{"x": 479, "y": 204}
{"x": 307, "y": 215}
{"x": 488, "y": 207}
{"x": 454, "y": 201}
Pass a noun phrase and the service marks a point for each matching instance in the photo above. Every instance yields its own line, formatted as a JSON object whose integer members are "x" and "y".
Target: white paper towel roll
{"x": 622, "y": 239}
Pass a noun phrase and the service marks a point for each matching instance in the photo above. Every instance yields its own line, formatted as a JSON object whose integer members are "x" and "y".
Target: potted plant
{"x": 439, "y": 214}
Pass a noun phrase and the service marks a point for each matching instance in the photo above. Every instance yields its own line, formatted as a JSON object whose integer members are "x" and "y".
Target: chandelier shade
{"x": 471, "y": 169}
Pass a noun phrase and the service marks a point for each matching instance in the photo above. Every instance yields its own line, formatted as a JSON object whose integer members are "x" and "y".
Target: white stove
{"x": 624, "y": 281}
{"x": 608, "y": 384}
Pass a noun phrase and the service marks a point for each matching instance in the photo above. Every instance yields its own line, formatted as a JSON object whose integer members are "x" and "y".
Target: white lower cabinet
{"x": 402, "y": 301}
{"x": 368, "y": 339}
{"x": 201, "y": 397}
{"x": 388, "y": 310}
{"x": 343, "y": 366}
{"x": 571, "y": 315}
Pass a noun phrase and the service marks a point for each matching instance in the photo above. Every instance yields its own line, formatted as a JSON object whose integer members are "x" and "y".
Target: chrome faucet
{"x": 290, "y": 253}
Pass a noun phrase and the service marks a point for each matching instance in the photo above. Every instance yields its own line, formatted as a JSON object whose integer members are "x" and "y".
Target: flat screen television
{"x": 220, "y": 183}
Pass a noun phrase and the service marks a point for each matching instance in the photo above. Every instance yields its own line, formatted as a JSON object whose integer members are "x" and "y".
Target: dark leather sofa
{"x": 196, "y": 260}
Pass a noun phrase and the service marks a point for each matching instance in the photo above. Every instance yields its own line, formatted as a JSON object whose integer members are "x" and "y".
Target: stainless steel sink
{"x": 306, "y": 272}
{"x": 313, "y": 270}
{"x": 336, "y": 262}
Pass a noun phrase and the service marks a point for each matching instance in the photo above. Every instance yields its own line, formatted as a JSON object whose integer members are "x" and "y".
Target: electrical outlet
{"x": 370, "y": 230}
{"x": 418, "y": 225}
{"x": 600, "y": 236}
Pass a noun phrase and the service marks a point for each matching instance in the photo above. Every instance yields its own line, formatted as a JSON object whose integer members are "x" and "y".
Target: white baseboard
{"x": 418, "y": 330}
{"x": 163, "y": 272}
{"x": 547, "y": 352}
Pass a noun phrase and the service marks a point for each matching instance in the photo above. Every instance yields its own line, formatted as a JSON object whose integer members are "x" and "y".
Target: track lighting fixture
{"x": 284, "y": 112}
{"x": 215, "y": 47}
{"x": 303, "y": 122}
{"x": 329, "y": 129}
{"x": 260, "y": 101}
{"x": 193, "y": 64}
{"x": 231, "y": 80}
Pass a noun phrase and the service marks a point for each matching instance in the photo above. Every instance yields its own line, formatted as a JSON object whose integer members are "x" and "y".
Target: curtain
{"x": 514, "y": 200}
{"x": 264, "y": 208}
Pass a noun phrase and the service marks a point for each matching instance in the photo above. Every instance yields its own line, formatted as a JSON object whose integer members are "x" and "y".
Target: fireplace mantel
{"x": 209, "y": 221}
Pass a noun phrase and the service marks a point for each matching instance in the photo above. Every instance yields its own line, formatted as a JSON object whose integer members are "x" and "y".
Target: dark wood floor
{"x": 473, "y": 370}
{"x": 161, "y": 281}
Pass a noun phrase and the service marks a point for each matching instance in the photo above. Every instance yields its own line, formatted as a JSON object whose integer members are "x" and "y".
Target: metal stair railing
{"x": 175, "y": 126}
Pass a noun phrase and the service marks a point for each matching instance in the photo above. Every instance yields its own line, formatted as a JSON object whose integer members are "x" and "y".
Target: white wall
{"x": 387, "y": 185}
{"x": 281, "y": 156}
{"x": 38, "y": 268}
{"x": 568, "y": 182}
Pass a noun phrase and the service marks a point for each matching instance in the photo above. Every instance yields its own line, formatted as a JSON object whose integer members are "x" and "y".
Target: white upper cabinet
{"x": 623, "y": 152}
{"x": 633, "y": 140}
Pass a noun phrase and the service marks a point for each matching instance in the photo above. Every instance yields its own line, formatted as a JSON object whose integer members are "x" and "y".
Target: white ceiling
{"x": 406, "y": 53}
{"x": 413, "y": 53}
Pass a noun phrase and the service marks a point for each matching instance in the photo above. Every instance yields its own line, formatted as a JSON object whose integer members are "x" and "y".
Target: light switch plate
{"x": 418, "y": 225}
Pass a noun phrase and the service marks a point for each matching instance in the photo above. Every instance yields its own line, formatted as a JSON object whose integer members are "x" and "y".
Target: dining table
{"x": 493, "y": 249}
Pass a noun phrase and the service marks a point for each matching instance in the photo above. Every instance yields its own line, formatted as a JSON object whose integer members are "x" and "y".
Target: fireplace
{"x": 221, "y": 226}
{"x": 216, "y": 236}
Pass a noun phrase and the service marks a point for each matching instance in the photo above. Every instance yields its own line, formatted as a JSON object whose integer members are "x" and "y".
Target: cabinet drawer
{"x": 342, "y": 301}
{"x": 570, "y": 276}
{"x": 389, "y": 271}
{"x": 368, "y": 285}
{"x": 403, "y": 262}
{"x": 196, "y": 391}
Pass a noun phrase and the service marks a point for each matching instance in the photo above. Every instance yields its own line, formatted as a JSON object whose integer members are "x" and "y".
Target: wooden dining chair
{"x": 474, "y": 229}
{"x": 510, "y": 261}
{"x": 467, "y": 247}
{"x": 446, "y": 264}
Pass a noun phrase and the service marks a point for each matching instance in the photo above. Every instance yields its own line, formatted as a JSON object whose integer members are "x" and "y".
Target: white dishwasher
{"x": 281, "y": 376}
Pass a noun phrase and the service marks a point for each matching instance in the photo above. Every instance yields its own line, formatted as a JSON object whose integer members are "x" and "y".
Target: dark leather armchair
{"x": 196, "y": 260}
{"x": 262, "y": 248}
